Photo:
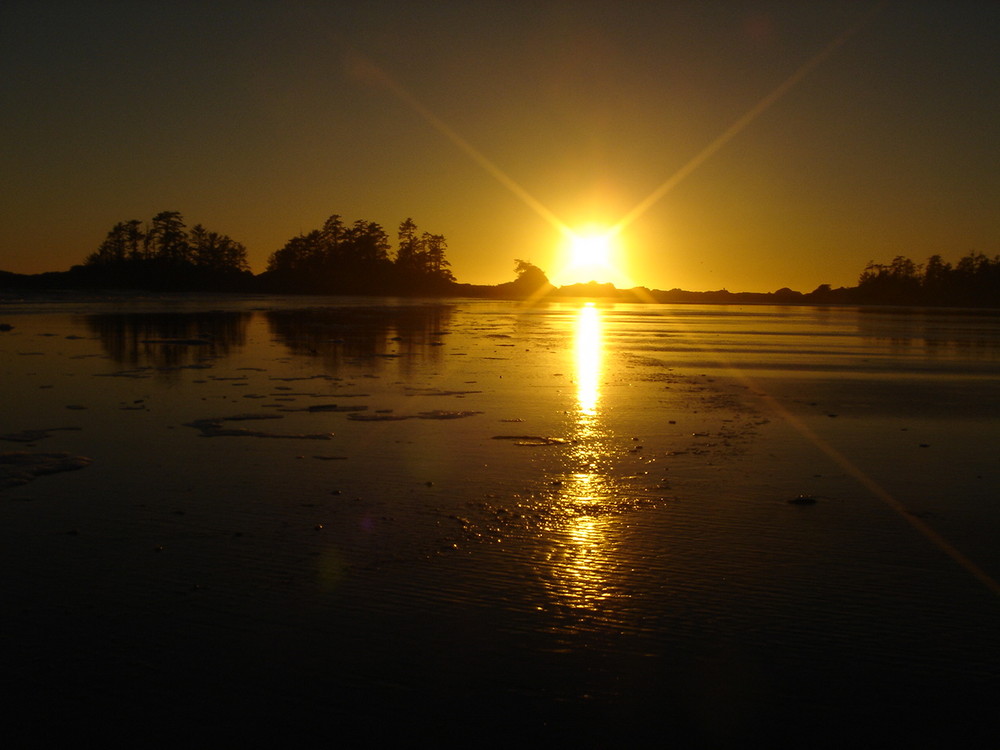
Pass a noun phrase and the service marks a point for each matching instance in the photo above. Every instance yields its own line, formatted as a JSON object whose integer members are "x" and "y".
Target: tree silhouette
{"x": 113, "y": 249}
{"x": 438, "y": 265}
{"x": 368, "y": 244}
{"x": 165, "y": 255}
{"x": 973, "y": 281}
{"x": 167, "y": 238}
{"x": 217, "y": 251}
{"x": 408, "y": 250}
{"x": 301, "y": 253}
{"x": 529, "y": 274}
{"x": 358, "y": 258}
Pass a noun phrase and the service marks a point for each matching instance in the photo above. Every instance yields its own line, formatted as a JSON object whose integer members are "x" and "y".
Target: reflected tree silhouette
{"x": 340, "y": 335}
{"x": 167, "y": 341}
{"x": 929, "y": 331}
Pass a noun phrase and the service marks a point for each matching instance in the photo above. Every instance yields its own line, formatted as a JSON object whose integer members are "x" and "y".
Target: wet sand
{"x": 476, "y": 522}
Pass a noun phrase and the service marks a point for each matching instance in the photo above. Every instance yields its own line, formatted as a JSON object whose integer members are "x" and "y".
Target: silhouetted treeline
{"x": 359, "y": 259}
{"x": 164, "y": 254}
{"x": 973, "y": 282}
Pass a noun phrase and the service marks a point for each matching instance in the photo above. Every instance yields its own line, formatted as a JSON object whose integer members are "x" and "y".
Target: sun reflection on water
{"x": 578, "y": 563}
{"x": 588, "y": 360}
{"x": 579, "y": 569}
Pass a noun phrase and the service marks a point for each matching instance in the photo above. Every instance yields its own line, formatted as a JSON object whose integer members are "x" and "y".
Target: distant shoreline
{"x": 83, "y": 279}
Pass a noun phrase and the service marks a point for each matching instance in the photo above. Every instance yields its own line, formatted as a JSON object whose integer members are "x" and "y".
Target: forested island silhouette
{"x": 359, "y": 258}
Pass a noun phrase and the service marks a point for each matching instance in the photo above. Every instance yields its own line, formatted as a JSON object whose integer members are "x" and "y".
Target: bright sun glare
{"x": 590, "y": 254}
{"x": 590, "y": 250}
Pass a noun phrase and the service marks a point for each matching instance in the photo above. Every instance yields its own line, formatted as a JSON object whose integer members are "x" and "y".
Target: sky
{"x": 740, "y": 145}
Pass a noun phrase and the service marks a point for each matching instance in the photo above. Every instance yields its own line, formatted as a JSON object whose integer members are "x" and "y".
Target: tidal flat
{"x": 327, "y": 519}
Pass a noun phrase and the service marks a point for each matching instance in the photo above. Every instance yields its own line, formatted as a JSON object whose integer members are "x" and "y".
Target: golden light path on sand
{"x": 588, "y": 351}
{"x": 579, "y": 565}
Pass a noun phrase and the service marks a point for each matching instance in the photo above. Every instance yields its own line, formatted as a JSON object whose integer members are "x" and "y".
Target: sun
{"x": 590, "y": 250}
{"x": 590, "y": 253}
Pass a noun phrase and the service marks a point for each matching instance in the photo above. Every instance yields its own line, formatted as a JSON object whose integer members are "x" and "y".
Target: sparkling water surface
{"x": 326, "y": 518}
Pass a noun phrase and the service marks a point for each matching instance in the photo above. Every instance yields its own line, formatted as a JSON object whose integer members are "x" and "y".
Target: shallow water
{"x": 306, "y": 517}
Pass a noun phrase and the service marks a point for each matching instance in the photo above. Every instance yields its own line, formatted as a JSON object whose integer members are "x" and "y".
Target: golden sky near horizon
{"x": 746, "y": 145}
